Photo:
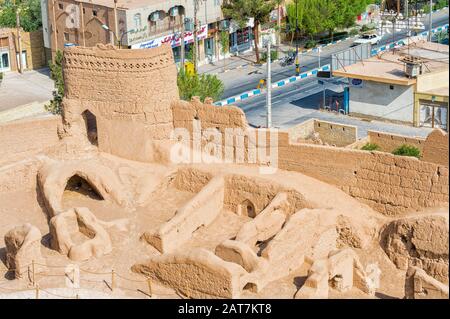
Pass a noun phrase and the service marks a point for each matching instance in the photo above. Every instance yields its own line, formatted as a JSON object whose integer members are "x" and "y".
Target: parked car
{"x": 371, "y": 38}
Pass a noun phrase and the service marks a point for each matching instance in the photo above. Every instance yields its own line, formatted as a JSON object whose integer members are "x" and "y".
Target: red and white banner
{"x": 173, "y": 39}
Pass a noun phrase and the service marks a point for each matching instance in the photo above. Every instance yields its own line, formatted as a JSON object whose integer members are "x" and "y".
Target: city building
{"x": 139, "y": 24}
{"x": 409, "y": 84}
{"x": 33, "y": 55}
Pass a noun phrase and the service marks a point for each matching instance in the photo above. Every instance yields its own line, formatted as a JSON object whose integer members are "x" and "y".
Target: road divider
{"x": 287, "y": 81}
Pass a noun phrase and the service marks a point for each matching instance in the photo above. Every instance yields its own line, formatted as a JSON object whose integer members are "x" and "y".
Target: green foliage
{"x": 310, "y": 44}
{"x": 370, "y": 147}
{"x": 316, "y": 16}
{"x": 203, "y": 85}
{"x": 29, "y": 13}
{"x": 57, "y": 75}
{"x": 368, "y": 27}
{"x": 224, "y": 41}
{"x": 242, "y": 10}
{"x": 273, "y": 56}
{"x": 407, "y": 150}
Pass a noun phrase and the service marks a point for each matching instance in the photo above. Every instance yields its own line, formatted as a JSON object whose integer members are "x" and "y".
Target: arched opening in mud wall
{"x": 78, "y": 186}
{"x": 91, "y": 126}
{"x": 248, "y": 208}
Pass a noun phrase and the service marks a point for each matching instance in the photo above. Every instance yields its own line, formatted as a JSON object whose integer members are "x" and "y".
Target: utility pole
{"x": 182, "y": 41}
{"x": 297, "y": 63}
{"x": 55, "y": 35}
{"x": 195, "y": 53}
{"x": 116, "y": 27}
{"x": 430, "y": 22}
{"x": 19, "y": 37}
{"x": 269, "y": 86}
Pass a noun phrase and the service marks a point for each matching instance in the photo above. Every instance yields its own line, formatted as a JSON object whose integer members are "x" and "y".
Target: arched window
{"x": 91, "y": 126}
{"x": 137, "y": 21}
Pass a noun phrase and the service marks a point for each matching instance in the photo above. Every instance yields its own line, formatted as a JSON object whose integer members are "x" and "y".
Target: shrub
{"x": 57, "y": 75}
{"x": 310, "y": 44}
{"x": 370, "y": 147}
{"x": 203, "y": 85}
{"x": 407, "y": 150}
{"x": 1, "y": 77}
{"x": 273, "y": 56}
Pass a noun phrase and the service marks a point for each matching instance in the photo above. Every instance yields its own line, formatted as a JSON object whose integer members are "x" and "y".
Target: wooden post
{"x": 37, "y": 291}
{"x": 149, "y": 283}
{"x": 113, "y": 280}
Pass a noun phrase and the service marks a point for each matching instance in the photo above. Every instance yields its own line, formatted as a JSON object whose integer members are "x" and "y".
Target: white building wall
{"x": 378, "y": 99}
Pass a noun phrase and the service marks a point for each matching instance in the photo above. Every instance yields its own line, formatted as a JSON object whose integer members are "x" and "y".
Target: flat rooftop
{"x": 387, "y": 67}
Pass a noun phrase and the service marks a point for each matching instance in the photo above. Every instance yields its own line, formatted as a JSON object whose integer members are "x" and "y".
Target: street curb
{"x": 292, "y": 79}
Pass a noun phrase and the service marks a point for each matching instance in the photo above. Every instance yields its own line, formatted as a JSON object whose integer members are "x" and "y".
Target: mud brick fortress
{"x": 98, "y": 189}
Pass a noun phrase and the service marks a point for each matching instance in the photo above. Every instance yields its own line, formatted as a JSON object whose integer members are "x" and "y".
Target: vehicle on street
{"x": 371, "y": 38}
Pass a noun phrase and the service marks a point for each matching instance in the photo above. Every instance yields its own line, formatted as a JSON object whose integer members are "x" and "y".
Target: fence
{"x": 111, "y": 281}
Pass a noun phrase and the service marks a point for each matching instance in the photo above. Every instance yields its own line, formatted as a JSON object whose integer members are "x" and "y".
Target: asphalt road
{"x": 295, "y": 103}
{"x": 247, "y": 78}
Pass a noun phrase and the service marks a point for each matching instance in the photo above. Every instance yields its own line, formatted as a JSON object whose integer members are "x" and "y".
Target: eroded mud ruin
{"x": 98, "y": 188}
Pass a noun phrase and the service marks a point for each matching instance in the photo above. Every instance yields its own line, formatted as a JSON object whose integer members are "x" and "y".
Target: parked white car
{"x": 373, "y": 39}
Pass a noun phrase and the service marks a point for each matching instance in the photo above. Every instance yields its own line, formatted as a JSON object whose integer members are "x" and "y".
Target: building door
{"x": 433, "y": 116}
{"x": 24, "y": 60}
{"x": 209, "y": 48}
{"x": 4, "y": 62}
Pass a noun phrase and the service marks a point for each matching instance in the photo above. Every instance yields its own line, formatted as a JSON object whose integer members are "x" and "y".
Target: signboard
{"x": 357, "y": 83}
{"x": 324, "y": 74}
{"x": 173, "y": 39}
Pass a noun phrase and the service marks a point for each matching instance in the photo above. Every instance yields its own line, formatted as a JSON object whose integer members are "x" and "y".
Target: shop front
{"x": 241, "y": 39}
{"x": 175, "y": 41}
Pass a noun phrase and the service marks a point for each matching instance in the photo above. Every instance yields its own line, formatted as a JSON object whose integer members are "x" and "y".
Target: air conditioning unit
{"x": 413, "y": 66}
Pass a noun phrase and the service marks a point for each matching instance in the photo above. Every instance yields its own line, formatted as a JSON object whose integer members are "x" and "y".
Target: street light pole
{"x": 182, "y": 48}
{"x": 297, "y": 64}
{"x": 269, "y": 86}
{"x": 195, "y": 53}
{"x": 19, "y": 38}
{"x": 430, "y": 21}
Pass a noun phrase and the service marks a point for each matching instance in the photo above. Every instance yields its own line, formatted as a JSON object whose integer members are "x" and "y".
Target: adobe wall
{"x": 435, "y": 149}
{"x": 388, "y": 183}
{"x": 335, "y": 133}
{"x": 20, "y": 139}
{"x": 389, "y": 142}
{"x": 129, "y": 91}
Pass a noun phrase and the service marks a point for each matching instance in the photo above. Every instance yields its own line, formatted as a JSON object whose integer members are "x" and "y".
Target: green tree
{"x": 57, "y": 76}
{"x": 203, "y": 85}
{"x": 29, "y": 13}
{"x": 242, "y": 10}
{"x": 224, "y": 45}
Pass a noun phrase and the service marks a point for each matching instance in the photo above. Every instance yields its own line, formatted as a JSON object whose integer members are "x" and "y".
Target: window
{"x": 84, "y": 11}
{"x": 137, "y": 21}
{"x": 66, "y": 36}
{"x": 94, "y": 13}
{"x": 61, "y": 6}
{"x": 391, "y": 87}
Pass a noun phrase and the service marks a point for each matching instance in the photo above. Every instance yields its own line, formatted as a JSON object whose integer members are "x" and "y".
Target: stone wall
{"x": 20, "y": 139}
